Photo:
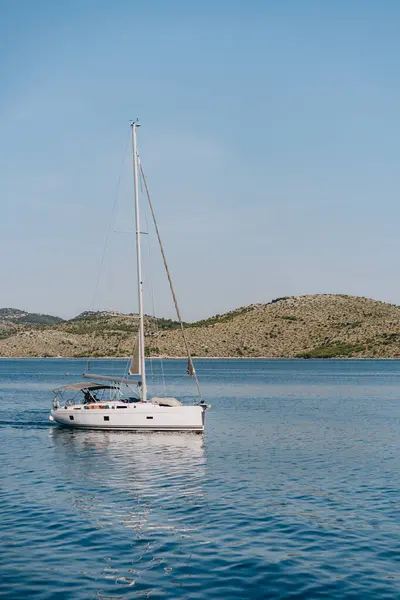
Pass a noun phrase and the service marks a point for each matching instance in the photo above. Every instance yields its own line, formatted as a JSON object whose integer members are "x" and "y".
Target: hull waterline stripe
{"x": 133, "y": 428}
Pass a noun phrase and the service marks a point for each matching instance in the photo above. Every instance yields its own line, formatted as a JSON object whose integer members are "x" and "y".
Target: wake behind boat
{"x": 121, "y": 403}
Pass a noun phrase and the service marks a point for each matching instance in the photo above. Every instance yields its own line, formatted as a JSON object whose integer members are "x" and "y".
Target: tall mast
{"x": 139, "y": 264}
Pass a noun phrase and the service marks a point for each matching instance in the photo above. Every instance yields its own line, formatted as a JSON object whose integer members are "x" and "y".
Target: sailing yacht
{"x": 123, "y": 403}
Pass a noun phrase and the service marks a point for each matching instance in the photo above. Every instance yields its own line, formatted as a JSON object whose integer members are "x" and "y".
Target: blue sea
{"x": 292, "y": 492}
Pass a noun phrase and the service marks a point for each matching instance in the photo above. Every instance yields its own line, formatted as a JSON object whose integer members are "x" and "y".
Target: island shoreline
{"x": 87, "y": 358}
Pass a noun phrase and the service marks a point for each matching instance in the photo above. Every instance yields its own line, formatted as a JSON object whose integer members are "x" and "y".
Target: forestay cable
{"x": 190, "y": 369}
{"x": 110, "y": 227}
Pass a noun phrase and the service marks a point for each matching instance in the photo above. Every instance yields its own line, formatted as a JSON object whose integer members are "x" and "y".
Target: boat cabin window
{"x": 89, "y": 397}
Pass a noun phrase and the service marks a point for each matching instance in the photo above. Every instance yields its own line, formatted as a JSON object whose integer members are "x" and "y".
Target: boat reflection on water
{"x": 131, "y": 479}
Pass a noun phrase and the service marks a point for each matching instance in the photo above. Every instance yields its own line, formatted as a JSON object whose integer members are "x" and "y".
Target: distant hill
{"x": 92, "y": 319}
{"x": 94, "y": 314}
{"x": 15, "y": 315}
{"x": 314, "y": 326}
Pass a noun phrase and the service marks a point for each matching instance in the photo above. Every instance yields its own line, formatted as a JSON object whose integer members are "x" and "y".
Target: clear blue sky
{"x": 271, "y": 141}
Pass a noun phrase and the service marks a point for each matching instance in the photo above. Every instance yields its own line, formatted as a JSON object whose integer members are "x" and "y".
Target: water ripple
{"x": 292, "y": 493}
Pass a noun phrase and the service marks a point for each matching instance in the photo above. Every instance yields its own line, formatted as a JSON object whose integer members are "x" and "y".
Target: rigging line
{"x": 136, "y": 334}
{"x": 113, "y": 211}
{"x": 150, "y": 360}
{"x": 151, "y": 286}
{"x": 149, "y": 279}
{"x": 152, "y": 322}
{"x": 192, "y": 370}
{"x": 160, "y": 357}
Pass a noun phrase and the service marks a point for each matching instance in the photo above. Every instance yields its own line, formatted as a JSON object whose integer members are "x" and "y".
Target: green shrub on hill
{"x": 333, "y": 350}
{"x": 166, "y": 324}
{"x": 221, "y": 318}
{"x": 6, "y": 333}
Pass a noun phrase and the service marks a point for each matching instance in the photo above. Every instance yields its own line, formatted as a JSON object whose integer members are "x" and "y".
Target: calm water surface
{"x": 293, "y": 492}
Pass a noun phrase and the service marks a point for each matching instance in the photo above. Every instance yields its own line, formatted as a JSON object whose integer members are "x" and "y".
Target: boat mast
{"x": 139, "y": 264}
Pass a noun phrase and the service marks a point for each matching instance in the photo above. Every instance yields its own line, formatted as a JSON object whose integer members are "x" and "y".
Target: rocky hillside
{"x": 317, "y": 326}
{"x": 15, "y": 315}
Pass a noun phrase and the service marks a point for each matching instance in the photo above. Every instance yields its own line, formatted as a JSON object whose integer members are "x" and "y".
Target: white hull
{"x": 143, "y": 416}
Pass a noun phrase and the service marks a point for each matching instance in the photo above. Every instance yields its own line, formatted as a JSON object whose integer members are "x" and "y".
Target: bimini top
{"x": 86, "y": 386}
